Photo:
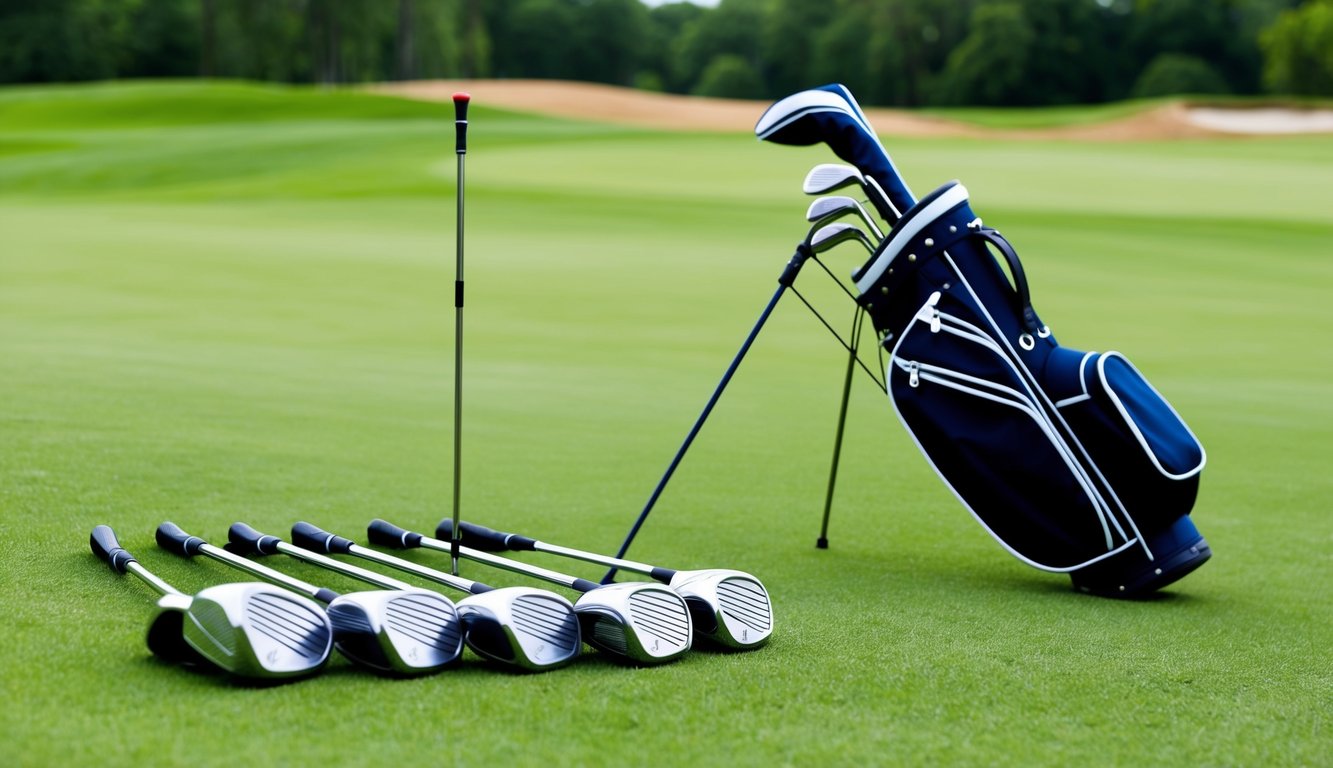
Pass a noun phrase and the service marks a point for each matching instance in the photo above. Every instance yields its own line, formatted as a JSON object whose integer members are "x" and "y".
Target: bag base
{"x": 1177, "y": 550}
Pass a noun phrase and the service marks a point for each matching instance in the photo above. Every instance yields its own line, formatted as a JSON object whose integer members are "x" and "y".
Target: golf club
{"x": 403, "y": 632}
{"x": 643, "y": 623}
{"x": 524, "y": 628}
{"x": 728, "y": 607}
{"x": 250, "y": 630}
{"x": 826, "y": 210}
{"x": 827, "y": 177}
{"x": 831, "y": 236}
{"x": 461, "y": 101}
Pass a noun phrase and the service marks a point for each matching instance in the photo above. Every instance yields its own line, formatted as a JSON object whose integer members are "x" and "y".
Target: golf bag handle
{"x": 486, "y": 539}
{"x": 386, "y": 534}
{"x": 1031, "y": 323}
{"x": 312, "y": 537}
{"x": 105, "y": 545}
{"x": 176, "y": 541}
{"x": 245, "y": 540}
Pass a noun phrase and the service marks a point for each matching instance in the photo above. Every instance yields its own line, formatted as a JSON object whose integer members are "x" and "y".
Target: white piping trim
{"x": 1068, "y": 432}
{"x": 895, "y": 359}
{"x": 1133, "y": 427}
{"x": 937, "y": 208}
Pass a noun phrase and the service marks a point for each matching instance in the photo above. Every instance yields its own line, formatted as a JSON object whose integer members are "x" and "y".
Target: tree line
{"x": 890, "y": 52}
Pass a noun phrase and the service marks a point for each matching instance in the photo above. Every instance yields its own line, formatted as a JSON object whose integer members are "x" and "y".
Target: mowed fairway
{"x": 230, "y": 302}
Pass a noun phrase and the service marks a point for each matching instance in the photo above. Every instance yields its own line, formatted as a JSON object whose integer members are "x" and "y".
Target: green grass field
{"x": 230, "y": 302}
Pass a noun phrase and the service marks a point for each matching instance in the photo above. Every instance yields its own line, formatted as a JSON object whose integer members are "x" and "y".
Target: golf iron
{"x": 641, "y": 623}
{"x": 519, "y": 627}
{"x": 729, "y": 607}
{"x": 402, "y": 631}
{"x": 249, "y": 630}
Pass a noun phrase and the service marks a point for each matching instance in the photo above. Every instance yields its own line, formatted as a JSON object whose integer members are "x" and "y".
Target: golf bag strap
{"x": 1028, "y": 316}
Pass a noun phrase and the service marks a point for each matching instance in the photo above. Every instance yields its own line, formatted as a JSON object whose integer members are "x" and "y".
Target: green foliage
{"x": 990, "y": 66}
{"x": 729, "y": 76}
{"x": 1175, "y": 73}
{"x": 1298, "y": 50}
{"x": 230, "y": 302}
{"x": 890, "y": 52}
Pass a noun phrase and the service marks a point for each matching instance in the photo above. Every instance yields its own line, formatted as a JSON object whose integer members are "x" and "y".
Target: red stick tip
{"x": 462, "y": 97}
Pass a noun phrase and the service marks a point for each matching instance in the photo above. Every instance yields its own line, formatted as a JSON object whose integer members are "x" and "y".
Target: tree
{"x": 989, "y": 66}
{"x": 1298, "y": 50}
{"x": 730, "y": 76}
{"x": 732, "y": 27}
{"x": 1175, "y": 73}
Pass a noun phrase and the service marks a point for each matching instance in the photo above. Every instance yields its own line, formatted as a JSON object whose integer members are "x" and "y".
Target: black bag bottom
{"x": 1178, "y": 550}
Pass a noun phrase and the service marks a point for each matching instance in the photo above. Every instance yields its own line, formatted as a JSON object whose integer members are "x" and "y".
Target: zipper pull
{"x": 935, "y": 321}
{"x": 913, "y": 377}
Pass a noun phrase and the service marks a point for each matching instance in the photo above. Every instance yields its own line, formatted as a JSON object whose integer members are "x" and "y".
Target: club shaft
{"x": 378, "y": 579}
{"x": 439, "y": 577}
{"x": 260, "y": 570}
{"x": 148, "y": 578}
{"x": 458, "y": 368}
{"x": 505, "y": 563}
{"x": 593, "y": 557}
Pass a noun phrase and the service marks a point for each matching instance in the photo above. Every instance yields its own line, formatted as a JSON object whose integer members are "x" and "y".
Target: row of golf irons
{"x": 256, "y": 632}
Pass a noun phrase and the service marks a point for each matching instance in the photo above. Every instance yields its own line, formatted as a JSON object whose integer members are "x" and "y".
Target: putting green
{"x": 225, "y": 302}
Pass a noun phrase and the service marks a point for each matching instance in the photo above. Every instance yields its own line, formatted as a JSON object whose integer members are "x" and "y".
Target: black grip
{"x": 316, "y": 539}
{"x": 247, "y": 541}
{"x": 583, "y": 585}
{"x": 386, "y": 534}
{"x": 176, "y": 541}
{"x": 105, "y": 545}
{"x": 664, "y": 575}
{"x": 485, "y": 539}
{"x": 461, "y": 101}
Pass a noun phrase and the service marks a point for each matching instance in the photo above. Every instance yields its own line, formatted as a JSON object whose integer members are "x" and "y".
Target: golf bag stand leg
{"x": 785, "y": 281}
{"x": 822, "y": 541}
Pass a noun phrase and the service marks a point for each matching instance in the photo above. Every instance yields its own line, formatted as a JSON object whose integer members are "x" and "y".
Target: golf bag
{"x": 1070, "y": 459}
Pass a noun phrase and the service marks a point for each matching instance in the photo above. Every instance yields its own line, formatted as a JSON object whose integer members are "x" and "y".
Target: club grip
{"x": 461, "y": 101}
{"x": 386, "y": 534}
{"x": 485, "y": 539}
{"x": 316, "y": 539}
{"x": 176, "y": 541}
{"x": 105, "y": 545}
{"x": 247, "y": 541}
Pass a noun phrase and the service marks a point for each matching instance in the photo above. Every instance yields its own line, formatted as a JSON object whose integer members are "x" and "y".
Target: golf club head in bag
{"x": 728, "y": 607}
{"x": 523, "y": 628}
{"x": 1070, "y": 459}
{"x": 249, "y": 630}
{"x": 402, "y": 632}
{"x": 830, "y": 115}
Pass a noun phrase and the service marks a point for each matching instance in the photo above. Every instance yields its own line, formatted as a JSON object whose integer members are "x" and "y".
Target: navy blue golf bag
{"x": 1070, "y": 459}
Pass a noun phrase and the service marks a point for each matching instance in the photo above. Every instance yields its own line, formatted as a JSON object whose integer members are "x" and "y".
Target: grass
{"x": 230, "y": 302}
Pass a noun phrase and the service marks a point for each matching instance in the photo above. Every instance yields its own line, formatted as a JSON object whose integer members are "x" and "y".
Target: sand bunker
{"x": 626, "y": 106}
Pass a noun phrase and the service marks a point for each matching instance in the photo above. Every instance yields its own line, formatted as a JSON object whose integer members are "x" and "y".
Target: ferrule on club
{"x": 347, "y": 569}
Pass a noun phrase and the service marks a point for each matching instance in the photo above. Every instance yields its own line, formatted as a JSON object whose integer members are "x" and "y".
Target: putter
{"x": 401, "y": 632}
{"x": 826, "y": 210}
{"x": 519, "y": 627}
{"x": 250, "y": 630}
{"x": 641, "y": 623}
{"x": 461, "y": 101}
{"x": 729, "y": 607}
